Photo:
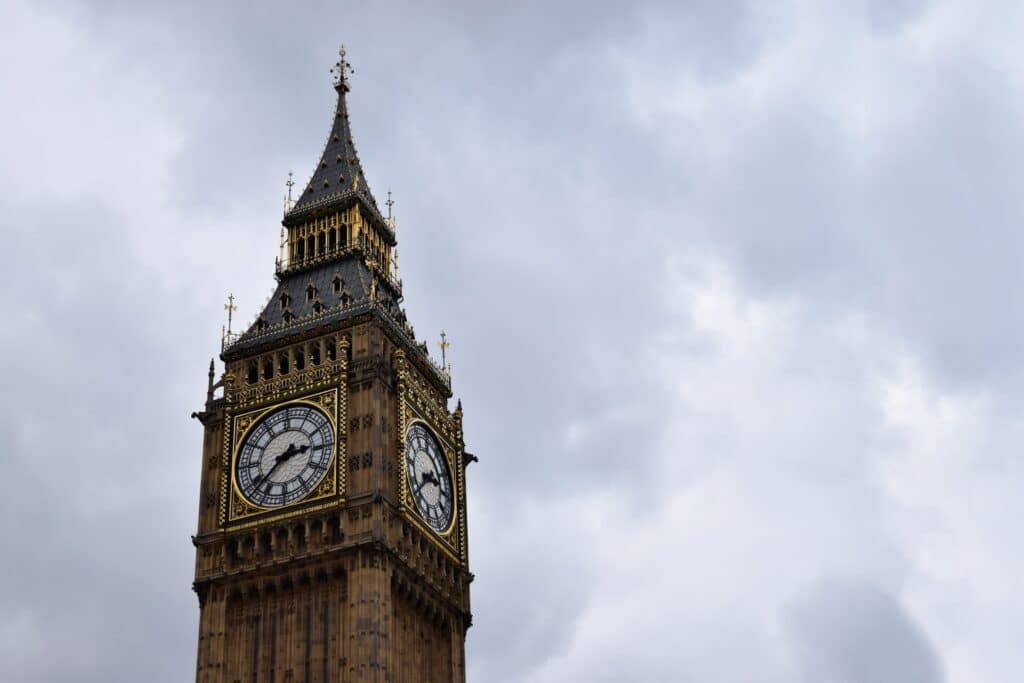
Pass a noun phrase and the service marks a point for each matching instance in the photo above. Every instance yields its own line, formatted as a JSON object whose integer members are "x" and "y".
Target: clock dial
{"x": 430, "y": 485}
{"x": 285, "y": 456}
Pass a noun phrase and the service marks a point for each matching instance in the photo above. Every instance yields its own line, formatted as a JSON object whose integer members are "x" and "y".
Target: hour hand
{"x": 429, "y": 476}
{"x": 292, "y": 450}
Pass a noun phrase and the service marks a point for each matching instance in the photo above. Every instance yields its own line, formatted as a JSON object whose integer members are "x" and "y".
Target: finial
{"x": 288, "y": 200}
{"x": 394, "y": 258}
{"x": 230, "y": 307}
{"x": 444, "y": 344}
{"x": 341, "y": 70}
{"x": 209, "y": 384}
{"x": 391, "y": 218}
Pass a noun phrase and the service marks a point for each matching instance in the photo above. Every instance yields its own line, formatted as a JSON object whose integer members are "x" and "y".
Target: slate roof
{"x": 291, "y": 297}
{"x": 338, "y": 178}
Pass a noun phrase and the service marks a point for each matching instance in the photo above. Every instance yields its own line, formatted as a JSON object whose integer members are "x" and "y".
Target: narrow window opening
{"x": 310, "y": 292}
{"x": 300, "y": 360}
{"x": 253, "y": 374}
{"x": 332, "y": 240}
{"x": 321, "y": 243}
{"x": 337, "y": 283}
{"x": 268, "y": 368}
{"x": 283, "y": 364}
{"x": 314, "y": 354}
{"x": 332, "y": 352}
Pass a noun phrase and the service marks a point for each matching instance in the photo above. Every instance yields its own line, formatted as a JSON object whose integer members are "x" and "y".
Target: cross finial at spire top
{"x": 341, "y": 69}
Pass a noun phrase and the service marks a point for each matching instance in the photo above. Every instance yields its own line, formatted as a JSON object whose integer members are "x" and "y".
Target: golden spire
{"x": 391, "y": 218}
{"x": 444, "y": 344}
{"x": 230, "y": 307}
{"x": 288, "y": 199}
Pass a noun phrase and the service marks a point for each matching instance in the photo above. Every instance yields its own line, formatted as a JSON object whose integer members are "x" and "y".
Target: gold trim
{"x": 289, "y": 513}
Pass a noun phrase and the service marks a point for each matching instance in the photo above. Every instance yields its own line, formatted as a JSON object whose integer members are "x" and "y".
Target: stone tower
{"x": 331, "y": 543}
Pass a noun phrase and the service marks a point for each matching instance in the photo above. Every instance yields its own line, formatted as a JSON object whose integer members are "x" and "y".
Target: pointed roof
{"x": 338, "y": 178}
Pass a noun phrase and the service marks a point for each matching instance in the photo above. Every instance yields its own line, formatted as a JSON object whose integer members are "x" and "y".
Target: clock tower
{"x": 331, "y": 543}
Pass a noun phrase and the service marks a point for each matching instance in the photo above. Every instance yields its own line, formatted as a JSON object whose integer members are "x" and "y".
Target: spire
{"x": 339, "y": 176}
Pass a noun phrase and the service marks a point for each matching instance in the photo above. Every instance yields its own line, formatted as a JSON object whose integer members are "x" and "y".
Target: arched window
{"x": 310, "y": 292}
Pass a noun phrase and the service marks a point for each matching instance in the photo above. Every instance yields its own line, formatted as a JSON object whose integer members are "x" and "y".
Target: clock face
{"x": 429, "y": 482}
{"x": 285, "y": 456}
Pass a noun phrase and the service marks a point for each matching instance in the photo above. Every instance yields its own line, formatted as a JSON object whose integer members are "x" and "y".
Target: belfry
{"x": 331, "y": 543}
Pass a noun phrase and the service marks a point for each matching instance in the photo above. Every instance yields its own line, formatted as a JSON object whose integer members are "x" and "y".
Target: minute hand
{"x": 289, "y": 452}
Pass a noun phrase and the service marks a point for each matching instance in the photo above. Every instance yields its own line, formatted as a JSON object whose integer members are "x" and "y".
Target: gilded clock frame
{"x": 418, "y": 404}
{"x": 448, "y": 453}
{"x": 236, "y": 511}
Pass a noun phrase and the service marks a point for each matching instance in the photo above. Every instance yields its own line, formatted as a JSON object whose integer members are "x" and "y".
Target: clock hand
{"x": 289, "y": 452}
{"x": 429, "y": 476}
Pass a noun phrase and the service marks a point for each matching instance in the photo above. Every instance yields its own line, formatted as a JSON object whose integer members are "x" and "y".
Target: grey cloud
{"x": 549, "y": 188}
{"x": 853, "y": 632}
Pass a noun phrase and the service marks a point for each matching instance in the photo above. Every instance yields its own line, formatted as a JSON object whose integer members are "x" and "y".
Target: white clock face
{"x": 285, "y": 456}
{"x": 430, "y": 484}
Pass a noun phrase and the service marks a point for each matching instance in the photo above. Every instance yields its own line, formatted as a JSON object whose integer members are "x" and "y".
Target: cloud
{"x": 859, "y": 634}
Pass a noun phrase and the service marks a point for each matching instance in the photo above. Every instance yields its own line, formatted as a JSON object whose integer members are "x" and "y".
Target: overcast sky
{"x": 732, "y": 290}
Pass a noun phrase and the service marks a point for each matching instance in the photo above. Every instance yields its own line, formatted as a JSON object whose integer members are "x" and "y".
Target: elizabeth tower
{"x": 332, "y": 512}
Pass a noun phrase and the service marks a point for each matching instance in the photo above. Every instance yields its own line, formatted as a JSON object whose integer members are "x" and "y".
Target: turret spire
{"x": 339, "y": 177}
